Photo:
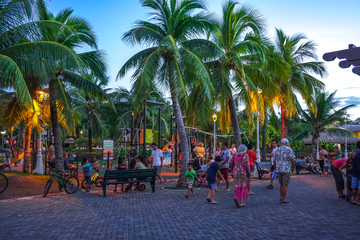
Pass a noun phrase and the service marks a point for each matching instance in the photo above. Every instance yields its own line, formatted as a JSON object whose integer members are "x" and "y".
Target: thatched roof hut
{"x": 335, "y": 138}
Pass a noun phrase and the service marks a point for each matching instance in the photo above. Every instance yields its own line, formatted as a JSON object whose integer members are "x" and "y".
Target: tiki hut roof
{"x": 335, "y": 138}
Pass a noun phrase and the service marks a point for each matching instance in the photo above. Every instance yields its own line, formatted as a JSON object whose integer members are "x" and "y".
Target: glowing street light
{"x": 41, "y": 96}
{"x": 3, "y": 134}
{"x": 259, "y": 91}
{"x": 214, "y": 118}
{"x": 346, "y": 116}
{"x": 81, "y": 132}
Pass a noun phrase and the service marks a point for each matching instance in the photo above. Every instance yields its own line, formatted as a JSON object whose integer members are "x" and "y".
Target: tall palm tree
{"x": 321, "y": 116}
{"x": 301, "y": 59}
{"x": 74, "y": 34}
{"x": 170, "y": 59}
{"x": 238, "y": 36}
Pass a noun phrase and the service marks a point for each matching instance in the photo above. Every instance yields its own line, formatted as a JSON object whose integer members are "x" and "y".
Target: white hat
{"x": 336, "y": 145}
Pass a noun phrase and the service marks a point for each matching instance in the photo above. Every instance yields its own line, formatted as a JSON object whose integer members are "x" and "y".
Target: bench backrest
{"x": 110, "y": 174}
{"x": 260, "y": 165}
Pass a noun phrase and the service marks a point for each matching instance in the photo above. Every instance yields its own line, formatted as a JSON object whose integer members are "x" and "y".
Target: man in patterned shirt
{"x": 284, "y": 165}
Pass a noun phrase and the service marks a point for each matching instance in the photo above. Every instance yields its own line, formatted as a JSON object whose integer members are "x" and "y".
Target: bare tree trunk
{"x": 90, "y": 123}
{"x": 27, "y": 154}
{"x": 182, "y": 133}
{"x": 283, "y": 121}
{"x": 234, "y": 122}
{"x": 59, "y": 161}
{"x": 263, "y": 144}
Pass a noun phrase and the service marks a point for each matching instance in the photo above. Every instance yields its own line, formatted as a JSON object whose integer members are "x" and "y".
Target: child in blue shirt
{"x": 213, "y": 170}
{"x": 86, "y": 166}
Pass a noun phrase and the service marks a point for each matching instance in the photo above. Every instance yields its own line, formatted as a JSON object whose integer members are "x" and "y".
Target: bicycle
{"x": 3, "y": 180}
{"x": 199, "y": 179}
{"x": 95, "y": 179}
{"x": 69, "y": 183}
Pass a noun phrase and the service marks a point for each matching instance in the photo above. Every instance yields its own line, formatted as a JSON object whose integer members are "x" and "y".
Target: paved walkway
{"x": 314, "y": 212}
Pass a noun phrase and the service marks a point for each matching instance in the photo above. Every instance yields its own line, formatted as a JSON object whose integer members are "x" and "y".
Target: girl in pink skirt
{"x": 240, "y": 164}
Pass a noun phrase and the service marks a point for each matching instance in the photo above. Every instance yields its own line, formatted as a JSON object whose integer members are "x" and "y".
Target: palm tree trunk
{"x": 27, "y": 155}
{"x": 59, "y": 161}
{"x": 234, "y": 122}
{"x": 283, "y": 121}
{"x": 90, "y": 122}
{"x": 182, "y": 133}
{"x": 263, "y": 144}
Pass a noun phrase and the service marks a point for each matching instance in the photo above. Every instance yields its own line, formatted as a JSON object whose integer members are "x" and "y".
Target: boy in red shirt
{"x": 252, "y": 159}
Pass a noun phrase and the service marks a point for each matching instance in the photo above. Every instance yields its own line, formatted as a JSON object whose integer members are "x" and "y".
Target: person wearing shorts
{"x": 190, "y": 177}
{"x": 214, "y": 169}
{"x": 284, "y": 165}
{"x": 274, "y": 145}
{"x": 224, "y": 168}
{"x": 354, "y": 159}
{"x": 336, "y": 169}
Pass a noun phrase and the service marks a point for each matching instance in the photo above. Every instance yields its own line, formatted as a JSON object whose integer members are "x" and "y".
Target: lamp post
{"x": 214, "y": 118}
{"x": 259, "y": 91}
{"x": 3, "y": 134}
{"x": 12, "y": 130}
{"x": 346, "y": 116}
{"x": 39, "y": 164}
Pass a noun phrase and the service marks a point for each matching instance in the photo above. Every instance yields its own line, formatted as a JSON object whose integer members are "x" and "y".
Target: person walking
{"x": 157, "y": 160}
{"x": 252, "y": 159}
{"x": 284, "y": 165}
{"x": 240, "y": 169}
{"x": 274, "y": 146}
{"x": 224, "y": 169}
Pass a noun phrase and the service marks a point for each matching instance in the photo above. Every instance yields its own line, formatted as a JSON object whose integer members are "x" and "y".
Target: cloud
{"x": 343, "y": 101}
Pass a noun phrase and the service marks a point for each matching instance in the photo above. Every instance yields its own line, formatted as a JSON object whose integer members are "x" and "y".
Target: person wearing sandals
{"x": 213, "y": 170}
{"x": 284, "y": 165}
{"x": 157, "y": 160}
{"x": 240, "y": 168}
{"x": 354, "y": 159}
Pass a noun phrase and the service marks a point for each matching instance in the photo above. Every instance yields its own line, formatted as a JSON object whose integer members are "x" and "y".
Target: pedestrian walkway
{"x": 314, "y": 212}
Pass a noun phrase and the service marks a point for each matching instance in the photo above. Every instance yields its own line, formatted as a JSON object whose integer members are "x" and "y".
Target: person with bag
{"x": 240, "y": 168}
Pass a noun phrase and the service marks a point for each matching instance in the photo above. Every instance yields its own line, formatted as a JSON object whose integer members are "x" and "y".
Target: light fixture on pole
{"x": 3, "y": 134}
{"x": 39, "y": 163}
{"x": 12, "y": 130}
{"x": 346, "y": 116}
{"x": 259, "y": 91}
{"x": 214, "y": 118}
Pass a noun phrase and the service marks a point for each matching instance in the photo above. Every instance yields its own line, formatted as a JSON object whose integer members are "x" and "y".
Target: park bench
{"x": 261, "y": 166}
{"x": 129, "y": 176}
{"x": 300, "y": 164}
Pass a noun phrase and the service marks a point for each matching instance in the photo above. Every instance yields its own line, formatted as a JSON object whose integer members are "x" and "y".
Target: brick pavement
{"x": 314, "y": 212}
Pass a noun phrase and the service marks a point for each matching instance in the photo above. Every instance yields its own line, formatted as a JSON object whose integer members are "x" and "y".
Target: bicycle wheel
{"x": 99, "y": 181}
{"x": 48, "y": 186}
{"x": 197, "y": 181}
{"x": 71, "y": 185}
{"x": 3, "y": 182}
{"x": 142, "y": 187}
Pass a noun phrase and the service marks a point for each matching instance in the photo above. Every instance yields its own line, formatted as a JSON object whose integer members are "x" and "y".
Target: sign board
{"x": 108, "y": 147}
{"x": 149, "y": 136}
{"x": 167, "y": 159}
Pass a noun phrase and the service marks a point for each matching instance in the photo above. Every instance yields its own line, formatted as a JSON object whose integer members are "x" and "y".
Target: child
{"x": 86, "y": 166}
{"x": 326, "y": 165}
{"x": 213, "y": 170}
{"x": 190, "y": 177}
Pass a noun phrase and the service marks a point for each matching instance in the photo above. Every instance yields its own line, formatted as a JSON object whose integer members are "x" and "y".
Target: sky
{"x": 331, "y": 24}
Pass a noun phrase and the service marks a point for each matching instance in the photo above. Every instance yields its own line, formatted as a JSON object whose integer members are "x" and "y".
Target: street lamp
{"x": 259, "y": 91}
{"x": 3, "y": 134}
{"x": 39, "y": 163}
{"x": 81, "y": 132}
{"x": 214, "y": 118}
{"x": 346, "y": 116}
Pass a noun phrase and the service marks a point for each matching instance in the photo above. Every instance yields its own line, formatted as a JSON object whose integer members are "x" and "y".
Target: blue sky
{"x": 332, "y": 24}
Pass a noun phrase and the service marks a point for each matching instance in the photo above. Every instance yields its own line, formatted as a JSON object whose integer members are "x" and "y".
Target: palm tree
{"x": 72, "y": 33}
{"x": 170, "y": 58}
{"x": 321, "y": 116}
{"x": 238, "y": 36}
{"x": 301, "y": 59}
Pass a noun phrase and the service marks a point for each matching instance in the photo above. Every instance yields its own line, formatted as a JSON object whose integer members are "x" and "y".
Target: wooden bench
{"x": 129, "y": 176}
{"x": 262, "y": 165}
{"x": 300, "y": 164}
